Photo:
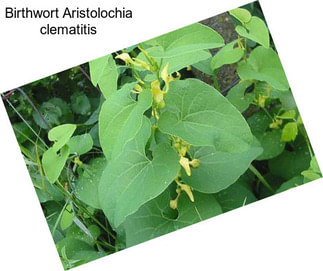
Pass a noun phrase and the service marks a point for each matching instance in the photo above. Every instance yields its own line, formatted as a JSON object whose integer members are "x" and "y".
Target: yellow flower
{"x": 185, "y": 163}
{"x": 126, "y": 58}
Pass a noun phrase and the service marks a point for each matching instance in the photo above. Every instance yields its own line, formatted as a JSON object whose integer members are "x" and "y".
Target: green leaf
{"x": 132, "y": 180}
{"x": 255, "y": 29}
{"x": 61, "y": 135}
{"x": 268, "y": 138}
{"x": 120, "y": 119}
{"x": 291, "y": 163}
{"x": 86, "y": 188}
{"x": 54, "y": 163}
{"x": 152, "y": 219}
{"x": 313, "y": 172}
{"x": 201, "y": 116}
{"x": 204, "y": 66}
{"x": 80, "y": 103}
{"x": 178, "y": 62}
{"x": 289, "y": 132}
{"x": 75, "y": 249}
{"x": 241, "y": 14}
{"x": 67, "y": 217}
{"x": 237, "y": 96}
{"x": 64, "y": 108}
{"x": 271, "y": 143}
{"x": 104, "y": 73}
{"x": 212, "y": 175}
{"x": 290, "y": 114}
{"x": 50, "y": 112}
{"x": 264, "y": 65}
{"x": 294, "y": 182}
{"x": 188, "y": 39}
{"x": 227, "y": 55}
{"x": 80, "y": 144}
{"x": 235, "y": 196}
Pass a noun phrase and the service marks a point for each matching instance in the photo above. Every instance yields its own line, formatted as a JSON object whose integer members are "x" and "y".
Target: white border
{"x": 283, "y": 232}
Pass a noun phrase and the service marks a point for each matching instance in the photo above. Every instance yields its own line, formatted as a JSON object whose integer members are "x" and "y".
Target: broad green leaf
{"x": 313, "y": 172}
{"x": 53, "y": 162}
{"x": 152, "y": 220}
{"x": 204, "y": 66}
{"x": 238, "y": 97}
{"x": 60, "y": 135}
{"x": 290, "y": 114}
{"x": 286, "y": 98}
{"x": 178, "y": 62}
{"x": 201, "y": 116}
{"x": 120, "y": 119}
{"x": 86, "y": 188}
{"x": 235, "y": 196}
{"x": 80, "y": 144}
{"x": 291, "y": 163}
{"x": 67, "y": 115}
{"x": 104, "y": 73}
{"x": 132, "y": 180}
{"x": 268, "y": 138}
{"x": 271, "y": 143}
{"x": 227, "y": 55}
{"x": 89, "y": 235}
{"x": 218, "y": 170}
{"x": 289, "y": 132}
{"x": 50, "y": 112}
{"x": 75, "y": 249}
{"x": 255, "y": 29}
{"x": 264, "y": 65}
{"x": 294, "y": 182}
{"x": 67, "y": 217}
{"x": 241, "y": 14}
{"x": 80, "y": 103}
{"x": 188, "y": 39}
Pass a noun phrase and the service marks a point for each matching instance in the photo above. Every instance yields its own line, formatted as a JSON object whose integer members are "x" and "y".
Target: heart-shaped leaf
{"x": 80, "y": 144}
{"x": 120, "y": 119}
{"x": 264, "y": 65}
{"x": 87, "y": 184}
{"x": 131, "y": 180}
{"x": 104, "y": 73}
{"x": 188, "y": 39}
{"x": 53, "y": 162}
{"x": 201, "y": 116}
{"x": 227, "y": 55}
{"x": 218, "y": 170}
{"x": 255, "y": 29}
{"x": 152, "y": 219}
{"x": 60, "y": 135}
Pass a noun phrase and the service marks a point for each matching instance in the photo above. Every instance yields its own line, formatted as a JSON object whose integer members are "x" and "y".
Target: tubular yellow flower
{"x": 188, "y": 191}
{"x": 125, "y": 57}
{"x": 140, "y": 63}
{"x": 185, "y": 163}
{"x": 158, "y": 95}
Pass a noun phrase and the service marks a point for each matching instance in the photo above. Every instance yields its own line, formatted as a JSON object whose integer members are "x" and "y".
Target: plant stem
{"x": 70, "y": 197}
{"x": 260, "y": 177}
{"x": 35, "y": 108}
{"x": 22, "y": 118}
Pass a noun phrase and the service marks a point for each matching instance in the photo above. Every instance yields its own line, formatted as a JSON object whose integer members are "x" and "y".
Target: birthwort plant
{"x": 161, "y": 150}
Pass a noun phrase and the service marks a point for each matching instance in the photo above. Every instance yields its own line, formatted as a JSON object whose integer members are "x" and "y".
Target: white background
{"x": 283, "y": 232}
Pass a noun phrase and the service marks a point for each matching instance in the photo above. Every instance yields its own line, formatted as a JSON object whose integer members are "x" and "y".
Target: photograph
{"x": 161, "y": 135}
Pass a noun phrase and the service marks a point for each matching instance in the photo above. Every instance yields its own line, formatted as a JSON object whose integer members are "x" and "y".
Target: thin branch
{"x": 88, "y": 77}
{"x": 226, "y": 89}
{"x": 35, "y": 108}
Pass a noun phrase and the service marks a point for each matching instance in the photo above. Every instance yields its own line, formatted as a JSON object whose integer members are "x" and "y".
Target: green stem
{"x": 80, "y": 207}
{"x": 260, "y": 177}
